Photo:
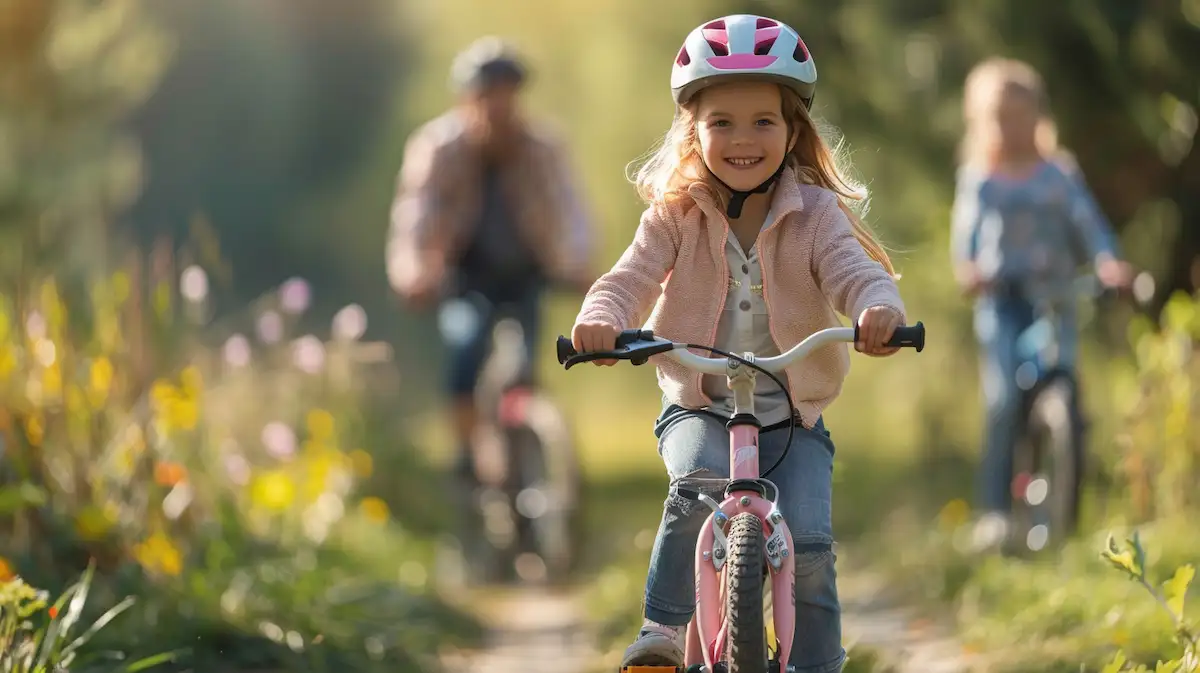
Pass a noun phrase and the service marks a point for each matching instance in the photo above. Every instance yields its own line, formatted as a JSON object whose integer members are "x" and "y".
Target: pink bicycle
{"x": 745, "y": 539}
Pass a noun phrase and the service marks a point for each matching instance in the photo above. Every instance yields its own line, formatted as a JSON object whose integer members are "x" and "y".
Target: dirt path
{"x": 537, "y": 631}
{"x": 531, "y": 631}
{"x": 906, "y": 641}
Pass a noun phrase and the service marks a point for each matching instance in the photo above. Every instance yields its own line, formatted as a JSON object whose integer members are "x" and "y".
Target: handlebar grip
{"x": 908, "y": 337}
{"x": 565, "y": 349}
{"x": 904, "y": 337}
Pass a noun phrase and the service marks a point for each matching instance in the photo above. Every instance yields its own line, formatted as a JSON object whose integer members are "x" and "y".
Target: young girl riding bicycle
{"x": 1023, "y": 223}
{"x": 748, "y": 244}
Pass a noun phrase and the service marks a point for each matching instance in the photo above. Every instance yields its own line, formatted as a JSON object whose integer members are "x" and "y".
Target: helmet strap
{"x": 738, "y": 197}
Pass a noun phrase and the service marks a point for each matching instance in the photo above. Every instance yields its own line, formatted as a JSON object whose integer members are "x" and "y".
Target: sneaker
{"x": 656, "y": 645}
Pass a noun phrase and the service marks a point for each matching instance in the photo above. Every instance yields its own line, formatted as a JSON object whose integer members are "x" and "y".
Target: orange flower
{"x": 53, "y": 612}
{"x": 169, "y": 474}
{"x": 6, "y": 571}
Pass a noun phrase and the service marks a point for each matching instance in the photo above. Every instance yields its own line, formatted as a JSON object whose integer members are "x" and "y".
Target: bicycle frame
{"x": 1038, "y": 346}
{"x": 706, "y": 632}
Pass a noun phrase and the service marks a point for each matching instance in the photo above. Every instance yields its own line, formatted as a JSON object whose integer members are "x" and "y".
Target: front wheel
{"x": 543, "y": 485}
{"x": 746, "y": 644}
{"x": 1048, "y": 480}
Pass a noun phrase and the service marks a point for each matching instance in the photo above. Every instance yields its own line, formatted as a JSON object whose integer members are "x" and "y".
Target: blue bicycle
{"x": 1048, "y": 459}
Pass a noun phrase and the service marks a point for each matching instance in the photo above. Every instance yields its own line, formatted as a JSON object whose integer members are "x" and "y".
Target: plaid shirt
{"x": 438, "y": 199}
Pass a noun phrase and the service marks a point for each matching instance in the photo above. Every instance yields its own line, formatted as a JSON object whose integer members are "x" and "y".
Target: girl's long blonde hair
{"x": 985, "y": 84}
{"x": 677, "y": 165}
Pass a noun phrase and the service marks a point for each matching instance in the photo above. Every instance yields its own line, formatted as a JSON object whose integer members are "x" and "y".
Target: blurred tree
{"x": 268, "y": 105}
{"x": 69, "y": 70}
{"x": 1123, "y": 85}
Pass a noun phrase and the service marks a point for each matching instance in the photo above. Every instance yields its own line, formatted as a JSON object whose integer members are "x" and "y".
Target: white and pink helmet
{"x": 747, "y": 47}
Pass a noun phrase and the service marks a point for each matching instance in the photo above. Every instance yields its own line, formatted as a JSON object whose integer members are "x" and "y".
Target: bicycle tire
{"x": 746, "y": 644}
{"x": 1048, "y": 445}
{"x": 1065, "y": 459}
{"x": 553, "y": 536}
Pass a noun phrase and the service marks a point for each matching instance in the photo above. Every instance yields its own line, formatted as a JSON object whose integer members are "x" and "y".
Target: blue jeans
{"x": 467, "y": 331}
{"x": 999, "y": 322}
{"x": 696, "y": 444}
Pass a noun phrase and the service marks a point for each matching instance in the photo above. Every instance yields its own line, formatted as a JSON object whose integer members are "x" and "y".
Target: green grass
{"x": 1046, "y": 614}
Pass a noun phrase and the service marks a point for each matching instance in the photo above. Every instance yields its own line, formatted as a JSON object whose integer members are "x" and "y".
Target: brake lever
{"x": 580, "y": 358}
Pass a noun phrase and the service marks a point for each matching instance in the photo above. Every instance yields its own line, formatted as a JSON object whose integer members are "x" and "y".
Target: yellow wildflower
{"x": 273, "y": 490}
{"x": 374, "y": 509}
{"x": 192, "y": 382}
{"x": 175, "y": 410}
{"x": 320, "y": 425}
{"x": 317, "y": 478}
{"x": 362, "y": 463}
{"x": 34, "y": 430}
{"x": 8, "y": 361}
{"x": 954, "y": 514}
{"x": 52, "y": 381}
{"x": 183, "y": 414}
{"x": 100, "y": 380}
{"x": 158, "y": 555}
{"x": 161, "y": 393}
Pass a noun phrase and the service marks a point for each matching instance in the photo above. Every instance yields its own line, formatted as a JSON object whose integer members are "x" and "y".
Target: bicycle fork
{"x": 706, "y": 633}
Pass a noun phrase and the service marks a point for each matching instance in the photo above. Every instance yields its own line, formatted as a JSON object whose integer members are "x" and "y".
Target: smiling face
{"x": 742, "y": 133}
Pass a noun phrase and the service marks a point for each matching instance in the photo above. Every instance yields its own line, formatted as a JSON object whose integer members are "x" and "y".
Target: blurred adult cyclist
{"x": 486, "y": 213}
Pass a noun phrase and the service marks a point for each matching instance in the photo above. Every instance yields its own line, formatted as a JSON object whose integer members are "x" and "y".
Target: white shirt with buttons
{"x": 743, "y": 327}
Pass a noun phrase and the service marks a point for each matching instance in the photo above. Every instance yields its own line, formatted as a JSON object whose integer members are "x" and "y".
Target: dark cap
{"x": 487, "y": 62}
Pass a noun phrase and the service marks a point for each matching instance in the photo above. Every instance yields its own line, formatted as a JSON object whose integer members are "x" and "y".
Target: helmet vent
{"x": 801, "y": 52}
{"x": 719, "y": 48}
{"x": 683, "y": 59}
{"x": 764, "y": 46}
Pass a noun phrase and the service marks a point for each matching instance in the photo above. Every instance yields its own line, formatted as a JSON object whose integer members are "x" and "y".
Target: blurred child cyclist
{"x": 1023, "y": 224}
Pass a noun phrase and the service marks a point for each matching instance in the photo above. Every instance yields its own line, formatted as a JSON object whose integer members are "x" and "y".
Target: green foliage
{"x": 224, "y": 496}
{"x": 69, "y": 69}
{"x": 35, "y": 636}
{"x": 1161, "y": 438}
{"x": 1130, "y": 560}
{"x": 216, "y": 491}
{"x": 1062, "y": 609}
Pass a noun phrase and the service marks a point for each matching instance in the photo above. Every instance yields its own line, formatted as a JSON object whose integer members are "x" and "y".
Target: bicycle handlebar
{"x": 638, "y": 346}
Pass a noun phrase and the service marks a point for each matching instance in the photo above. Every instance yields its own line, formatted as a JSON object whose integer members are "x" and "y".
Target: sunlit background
{"x": 214, "y": 402}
